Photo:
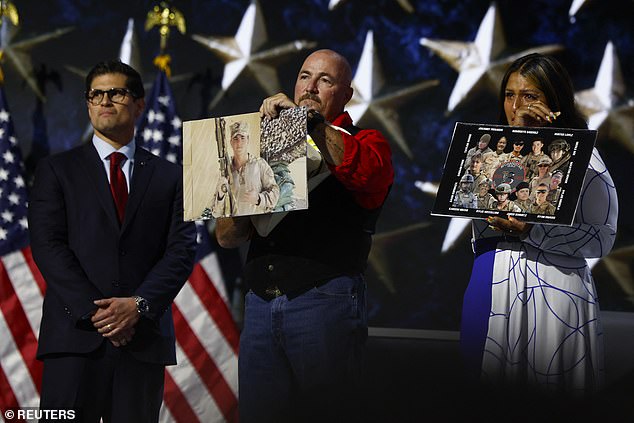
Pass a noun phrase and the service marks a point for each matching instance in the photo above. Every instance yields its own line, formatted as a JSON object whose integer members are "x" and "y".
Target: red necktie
{"x": 118, "y": 185}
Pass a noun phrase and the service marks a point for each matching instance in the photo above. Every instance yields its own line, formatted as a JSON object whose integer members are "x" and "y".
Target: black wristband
{"x": 314, "y": 118}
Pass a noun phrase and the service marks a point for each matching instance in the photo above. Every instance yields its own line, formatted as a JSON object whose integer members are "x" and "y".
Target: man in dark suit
{"x": 107, "y": 233}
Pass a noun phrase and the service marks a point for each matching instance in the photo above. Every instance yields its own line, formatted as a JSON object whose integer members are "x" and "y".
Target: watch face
{"x": 142, "y": 305}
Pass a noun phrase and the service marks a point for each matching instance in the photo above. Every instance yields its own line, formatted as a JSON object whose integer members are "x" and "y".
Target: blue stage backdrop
{"x": 420, "y": 264}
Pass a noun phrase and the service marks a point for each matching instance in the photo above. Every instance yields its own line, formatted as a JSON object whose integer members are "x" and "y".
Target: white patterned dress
{"x": 531, "y": 313}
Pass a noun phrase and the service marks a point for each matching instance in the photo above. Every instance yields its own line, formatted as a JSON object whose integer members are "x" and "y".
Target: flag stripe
{"x": 194, "y": 389}
{"x": 27, "y": 291}
{"x": 216, "y": 307}
{"x": 20, "y": 298}
{"x": 210, "y": 337}
{"x": 7, "y": 398}
{"x": 177, "y": 403}
{"x": 15, "y": 368}
{"x": 19, "y": 327}
{"x": 213, "y": 269}
{"x": 164, "y": 415}
{"x": 217, "y": 386}
{"x": 35, "y": 272}
{"x": 206, "y": 375}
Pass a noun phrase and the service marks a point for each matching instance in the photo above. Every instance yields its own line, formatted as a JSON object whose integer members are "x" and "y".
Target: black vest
{"x": 329, "y": 239}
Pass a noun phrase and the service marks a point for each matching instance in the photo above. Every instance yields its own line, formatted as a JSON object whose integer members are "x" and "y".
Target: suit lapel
{"x": 93, "y": 166}
{"x": 141, "y": 176}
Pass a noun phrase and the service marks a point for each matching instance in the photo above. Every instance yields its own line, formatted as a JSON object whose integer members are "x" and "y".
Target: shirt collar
{"x": 342, "y": 120}
{"x": 104, "y": 149}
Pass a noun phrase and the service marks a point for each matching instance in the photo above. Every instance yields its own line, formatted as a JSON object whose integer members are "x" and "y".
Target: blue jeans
{"x": 301, "y": 358}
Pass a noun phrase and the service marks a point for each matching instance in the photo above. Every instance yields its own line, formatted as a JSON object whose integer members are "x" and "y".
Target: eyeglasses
{"x": 541, "y": 191}
{"x": 543, "y": 165}
{"x": 116, "y": 95}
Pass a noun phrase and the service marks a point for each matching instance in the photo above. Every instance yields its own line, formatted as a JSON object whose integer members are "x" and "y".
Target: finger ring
{"x": 108, "y": 326}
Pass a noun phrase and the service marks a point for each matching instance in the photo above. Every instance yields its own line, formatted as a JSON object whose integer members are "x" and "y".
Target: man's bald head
{"x": 323, "y": 83}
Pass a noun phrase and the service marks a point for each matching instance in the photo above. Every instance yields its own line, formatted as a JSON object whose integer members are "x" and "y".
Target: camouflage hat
{"x": 558, "y": 144}
{"x": 503, "y": 189}
{"x": 467, "y": 177}
{"x": 558, "y": 173}
{"x": 545, "y": 160}
{"x": 485, "y": 181}
{"x": 521, "y": 185}
{"x": 239, "y": 128}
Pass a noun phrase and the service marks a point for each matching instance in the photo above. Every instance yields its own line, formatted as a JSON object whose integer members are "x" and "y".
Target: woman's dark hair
{"x": 133, "y": 79}
{"x": 554, "y": 81}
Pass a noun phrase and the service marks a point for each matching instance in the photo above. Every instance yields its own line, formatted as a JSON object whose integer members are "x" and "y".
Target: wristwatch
{"x": 142, "y": 306}
{"x": 313, "y": 119}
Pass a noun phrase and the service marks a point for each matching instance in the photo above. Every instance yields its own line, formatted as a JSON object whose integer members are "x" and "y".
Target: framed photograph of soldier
{"x": 244, "y": 165}
{"x": 533, "y": 174}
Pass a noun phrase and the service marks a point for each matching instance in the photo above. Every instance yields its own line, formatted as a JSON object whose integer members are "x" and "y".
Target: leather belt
{"x": 271, "y": 292}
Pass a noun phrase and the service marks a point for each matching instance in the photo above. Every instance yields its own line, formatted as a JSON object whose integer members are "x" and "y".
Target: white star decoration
{"x": 457, "y": 225}
{"x": 155, "y": 116}
{"x": 241, "y": 55}
{"x": 606, "y": 106}
{"x": 405, "y": 5}
{"x": 164, "y": 100}
{"x": 175, "y": 140}
{"x": 369, "y": 105}
{"x": 129, "y": 52}
{"x": 147, "y": 134}
{"x": 7, "y": 216}
{"x": 574, "y": 8}
{"x": 479, "y": 67}
{"x": 14, "y": 198}
{"x": 477, "y": 62}
{"x": 17, "y": 53}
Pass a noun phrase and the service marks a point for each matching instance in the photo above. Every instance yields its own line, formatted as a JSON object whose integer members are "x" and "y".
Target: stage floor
{"x": 416, "y": 375}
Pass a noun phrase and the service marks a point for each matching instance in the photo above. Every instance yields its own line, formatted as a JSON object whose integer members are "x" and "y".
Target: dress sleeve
{"x": 594, "y": 231}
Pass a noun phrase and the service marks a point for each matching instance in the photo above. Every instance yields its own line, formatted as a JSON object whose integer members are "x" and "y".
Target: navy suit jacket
{"x": 84, "y": 253}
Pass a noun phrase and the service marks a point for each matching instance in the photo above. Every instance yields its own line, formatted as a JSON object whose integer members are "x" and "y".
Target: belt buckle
{"x": 273, "y": 291}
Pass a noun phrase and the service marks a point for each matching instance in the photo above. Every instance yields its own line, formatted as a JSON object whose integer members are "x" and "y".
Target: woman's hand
{"x": 510, "y": 226}
{"x": 535, "y": 113}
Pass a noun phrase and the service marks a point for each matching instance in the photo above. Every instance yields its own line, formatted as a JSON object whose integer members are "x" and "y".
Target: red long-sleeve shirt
{"x": 366, "y": 169}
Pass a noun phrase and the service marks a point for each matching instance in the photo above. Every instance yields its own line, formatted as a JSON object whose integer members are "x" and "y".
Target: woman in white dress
{"x": 530, "y": 313}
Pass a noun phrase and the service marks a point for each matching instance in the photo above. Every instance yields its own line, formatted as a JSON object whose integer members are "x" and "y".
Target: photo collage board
{"x": 532, "y": 174}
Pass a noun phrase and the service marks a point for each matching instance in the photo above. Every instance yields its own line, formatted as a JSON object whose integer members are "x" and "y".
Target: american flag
{"x": 203, "y": 387}
{"x": 21, "y": 284}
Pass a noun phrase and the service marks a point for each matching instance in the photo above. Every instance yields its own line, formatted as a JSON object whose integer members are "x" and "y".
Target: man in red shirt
{"x": 305, "y": 320}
